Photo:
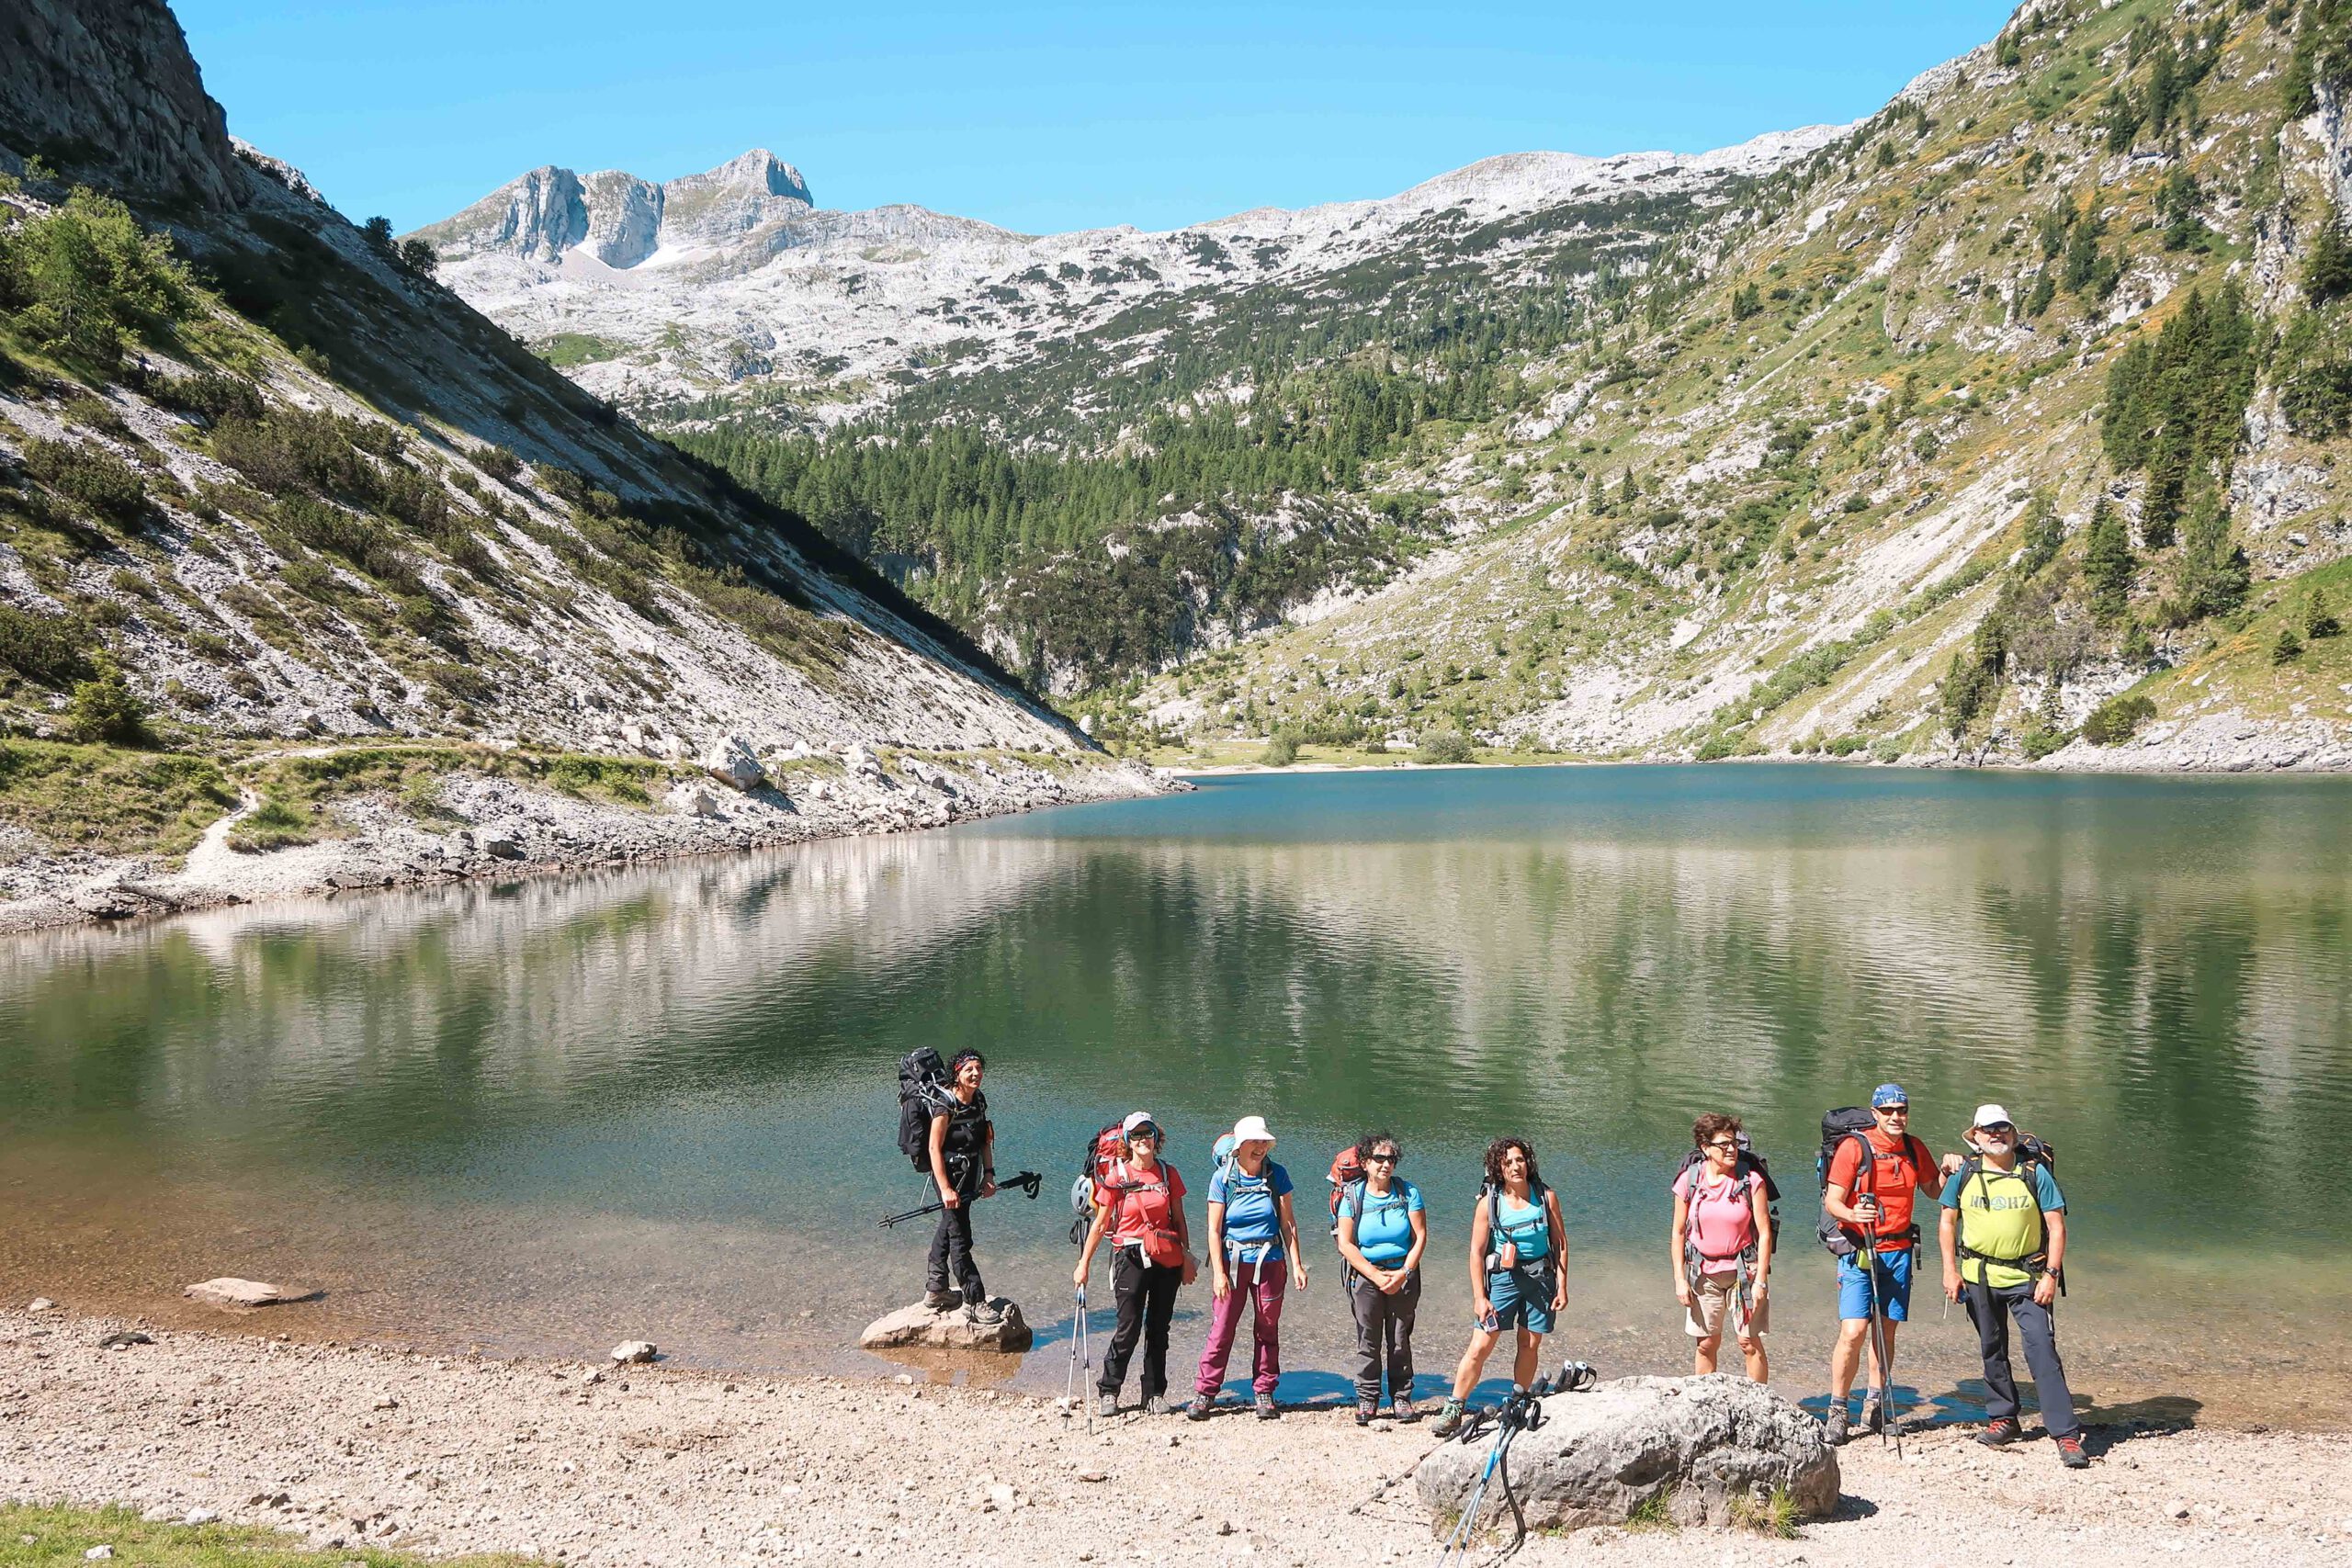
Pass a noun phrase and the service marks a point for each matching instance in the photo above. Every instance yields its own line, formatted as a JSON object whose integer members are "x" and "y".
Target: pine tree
{"x": 2108, "y": 565}
{"x": 2289, "y": 647}
{"x": 2044, "y": 535}
{"x": 2319, "y": 616}
{"x": 2214, "y": 574}
{"x": 2327, "y": 275}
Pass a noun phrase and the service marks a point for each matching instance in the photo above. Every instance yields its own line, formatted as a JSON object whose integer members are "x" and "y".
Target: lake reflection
{"x": 544, "y": 1115}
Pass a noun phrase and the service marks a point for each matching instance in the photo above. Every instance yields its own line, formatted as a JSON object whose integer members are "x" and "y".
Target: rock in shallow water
{"x": 919, "y": 1326}
{"x": 228, "y": 1291}
{"x": 635, "y": 1350}
{"x": 1698, "y": 1442}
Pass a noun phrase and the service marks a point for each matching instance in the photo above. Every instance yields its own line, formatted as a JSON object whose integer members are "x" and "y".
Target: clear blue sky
{"x": 1036, "y": 116}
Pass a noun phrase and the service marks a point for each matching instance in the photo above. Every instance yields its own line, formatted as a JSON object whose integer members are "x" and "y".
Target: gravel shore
{"x": 489, "y": 828}
{"x": 346, "y": 1444}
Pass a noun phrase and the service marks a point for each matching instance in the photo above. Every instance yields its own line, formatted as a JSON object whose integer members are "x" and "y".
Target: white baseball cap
{"x": 1139, "y": 1119}
{"x": 1251, "y": 1129}
{"x": 1989, "y": 1115}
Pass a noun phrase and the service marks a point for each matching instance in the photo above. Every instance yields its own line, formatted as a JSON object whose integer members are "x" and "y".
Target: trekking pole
{"x": 1522, "y": 1412}
{"x": 1027, "y": 1181}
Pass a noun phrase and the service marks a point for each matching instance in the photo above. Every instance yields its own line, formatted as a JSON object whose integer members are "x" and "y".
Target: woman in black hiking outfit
{"x": 1139, "y": 1203}
{"x": 963, "y": 1164}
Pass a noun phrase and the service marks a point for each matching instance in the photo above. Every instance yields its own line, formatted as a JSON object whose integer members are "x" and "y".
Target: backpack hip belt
{"x": 2034, "y": 1265}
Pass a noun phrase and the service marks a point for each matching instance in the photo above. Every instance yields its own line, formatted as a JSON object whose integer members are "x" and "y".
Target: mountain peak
{"x": 758, "y": 170}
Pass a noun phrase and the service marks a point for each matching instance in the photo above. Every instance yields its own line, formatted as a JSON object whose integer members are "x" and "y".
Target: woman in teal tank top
{"x": 1519, "y": 1277}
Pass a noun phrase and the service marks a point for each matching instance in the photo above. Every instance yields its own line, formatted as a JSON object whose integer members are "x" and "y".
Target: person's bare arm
{"x": 2045, "y": 1289}
{"x": 1288, "y": 1216}
{"x": 1675, "y": 1247}
{"x": 1560, "y": 1245}
{"x": 1948, "y": 1239}
{"x": 1219, "y": 1281}
{"x": 1479, "y": 1248}
{"x": 1093, "y": 1239}
{"x": 1764, "y": 1237}
{"x": 1419, "y": 1220}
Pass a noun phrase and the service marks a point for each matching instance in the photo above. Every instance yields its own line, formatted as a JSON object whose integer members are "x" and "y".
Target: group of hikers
{"x": 2002, "y": 1238}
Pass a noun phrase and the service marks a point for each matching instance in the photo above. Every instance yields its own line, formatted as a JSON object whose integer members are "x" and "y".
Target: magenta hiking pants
{"x": 1262, "y": 1286}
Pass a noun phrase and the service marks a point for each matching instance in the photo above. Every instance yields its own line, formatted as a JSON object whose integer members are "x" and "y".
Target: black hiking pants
{"x": 1384, "y": 1335}
{"x": 1990, "y": 1307}
{"x": 1145, "y": 1295}
{"x": 951, "y": 1248}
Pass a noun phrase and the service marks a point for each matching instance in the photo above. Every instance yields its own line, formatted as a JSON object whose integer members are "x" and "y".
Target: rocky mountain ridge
{"x": 825, "y": 316}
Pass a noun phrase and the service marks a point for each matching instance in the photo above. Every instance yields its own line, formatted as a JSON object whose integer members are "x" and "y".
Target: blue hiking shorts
{"x": 1893, "y": 1288}
{"x": 1522, "y": 1298}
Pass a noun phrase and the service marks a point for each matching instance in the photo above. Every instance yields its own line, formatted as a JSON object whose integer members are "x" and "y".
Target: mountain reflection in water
{"x": 660, "y": 1099}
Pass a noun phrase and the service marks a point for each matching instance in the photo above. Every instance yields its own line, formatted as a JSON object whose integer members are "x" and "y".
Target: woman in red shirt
{"x": 1140, "y": 1205}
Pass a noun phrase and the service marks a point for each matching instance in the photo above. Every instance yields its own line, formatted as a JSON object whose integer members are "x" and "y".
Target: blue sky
{"x": 1038, "y": 117}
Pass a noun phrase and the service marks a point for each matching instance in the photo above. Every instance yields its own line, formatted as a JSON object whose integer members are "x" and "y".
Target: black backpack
{"x": 1837, "y": 1126}
{"x": 1751, "y": 1164}
{"x": 924, "y": 1091}
{"x": 2032, "y": 1151}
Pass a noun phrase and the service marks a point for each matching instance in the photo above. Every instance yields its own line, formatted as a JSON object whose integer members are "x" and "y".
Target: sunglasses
{"x": 1382, "y": 1159}
{"x": 1893, "y": 1110}
{"x": 1146, "y": 1131}
{"x": 2004, "y": 1128}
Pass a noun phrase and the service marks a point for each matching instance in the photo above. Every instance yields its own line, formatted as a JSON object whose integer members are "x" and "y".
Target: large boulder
{"x": 731, "y": 762}
{"x": 922, "y": 1327}
{"x": 1700, "y": 1443}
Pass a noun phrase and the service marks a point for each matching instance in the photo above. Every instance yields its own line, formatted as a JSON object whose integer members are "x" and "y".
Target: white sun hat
{"x": 1251, "y": 1129}
{"x": 1988, "y": 1115}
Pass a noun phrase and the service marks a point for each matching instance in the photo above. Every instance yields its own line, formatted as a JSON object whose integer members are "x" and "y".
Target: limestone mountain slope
{"x": 261, "y": 480}
{"x": 2009, "y": 426}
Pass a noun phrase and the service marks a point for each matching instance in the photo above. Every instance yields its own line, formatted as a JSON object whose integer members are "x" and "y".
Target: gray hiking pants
{"x": 1990, "y": 1308}
{"x": 1384, "y": 1335}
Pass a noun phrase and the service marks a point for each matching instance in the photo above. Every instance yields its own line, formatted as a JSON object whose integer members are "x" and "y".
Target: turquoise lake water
{"x": 548, "y": 1115}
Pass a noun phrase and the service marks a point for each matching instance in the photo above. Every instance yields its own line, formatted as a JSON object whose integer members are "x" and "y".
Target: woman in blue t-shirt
{"x": 1382, "y": 1231}
{"x": 1519, "y": 1273}
{"x": 1253, "y": 1254}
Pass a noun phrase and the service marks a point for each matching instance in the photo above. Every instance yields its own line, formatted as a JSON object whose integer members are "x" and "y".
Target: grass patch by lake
{"x": 58, "y": 1537}
{"x": 108, "y": 800}
{"x": 299, "y": 792}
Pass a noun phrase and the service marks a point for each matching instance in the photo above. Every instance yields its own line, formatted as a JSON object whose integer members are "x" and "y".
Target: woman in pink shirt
{"x": 1721, "y": 1246}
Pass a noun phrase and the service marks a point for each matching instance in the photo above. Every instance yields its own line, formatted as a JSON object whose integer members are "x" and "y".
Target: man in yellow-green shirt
{"x": 2004, "y": 1235}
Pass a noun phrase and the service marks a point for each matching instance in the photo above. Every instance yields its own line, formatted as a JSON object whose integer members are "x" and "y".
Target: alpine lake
{"x": 544, "y": 1116}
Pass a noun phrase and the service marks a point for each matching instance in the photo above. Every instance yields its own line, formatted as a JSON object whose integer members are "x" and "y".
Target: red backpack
{"x": 1347, "y": 1170}
{"x": 1104, "y": 1150}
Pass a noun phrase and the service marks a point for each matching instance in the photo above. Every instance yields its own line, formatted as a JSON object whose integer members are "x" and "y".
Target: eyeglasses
{"x": 1389, "y": 1158}
{"x": 1723, "y": 1144}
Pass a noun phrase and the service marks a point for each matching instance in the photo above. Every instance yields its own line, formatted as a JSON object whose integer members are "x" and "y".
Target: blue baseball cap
{"x": 1888, "y": 1094}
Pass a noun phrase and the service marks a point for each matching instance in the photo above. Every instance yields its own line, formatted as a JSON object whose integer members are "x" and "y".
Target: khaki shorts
{"x": 1709, "y": 1303}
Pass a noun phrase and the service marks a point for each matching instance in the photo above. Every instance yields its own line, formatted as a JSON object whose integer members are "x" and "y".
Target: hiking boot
{"x": 983, "y": 1313}
{"x": 1365, "y": 1410}
{"x": 2001, "y": 1433}
{"x": 1836, "y": 1423}
{"x": 1403, "y": 1410}
{"x": 2070, "y": 1451}
{"x": 1266, "y": 1411}
{"x": 943, "y": 1300}
{"x": 1449, "y": 1419}
{"x": 1874, "y": 1415}
{"x": 1158, "y": 1405}
{"x": 1107, "y": 1406}
{"x": 1200, "y": 1407}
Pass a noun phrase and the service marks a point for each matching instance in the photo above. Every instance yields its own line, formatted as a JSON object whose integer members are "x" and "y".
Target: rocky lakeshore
{"x": 588, "y": 1461}
{"x": 471, "y": 826}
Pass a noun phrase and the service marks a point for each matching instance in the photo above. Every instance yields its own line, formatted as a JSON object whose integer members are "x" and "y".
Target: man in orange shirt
{"x": 1874, "y": 1204}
